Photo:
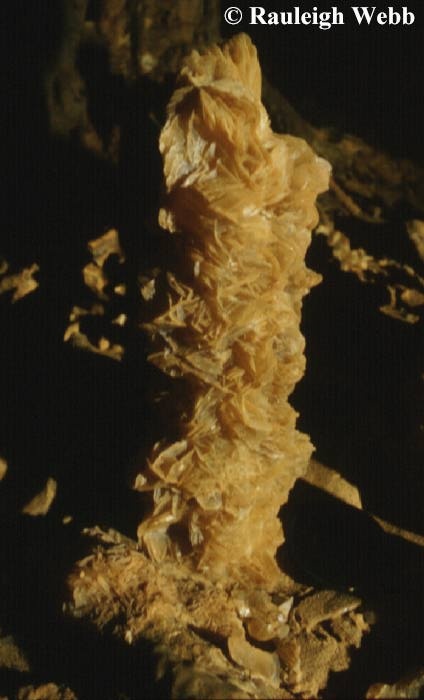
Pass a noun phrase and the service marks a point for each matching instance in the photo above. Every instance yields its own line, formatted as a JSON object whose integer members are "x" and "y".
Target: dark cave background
{"x": 82, "y": 418}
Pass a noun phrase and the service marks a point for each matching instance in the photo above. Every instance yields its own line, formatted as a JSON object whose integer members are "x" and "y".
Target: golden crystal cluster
{"x": 240, "y": 200}
{"x": 222, "y": 318}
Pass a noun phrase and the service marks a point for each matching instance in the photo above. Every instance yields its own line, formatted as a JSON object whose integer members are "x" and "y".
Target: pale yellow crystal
{"x": 242, "y": 201}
